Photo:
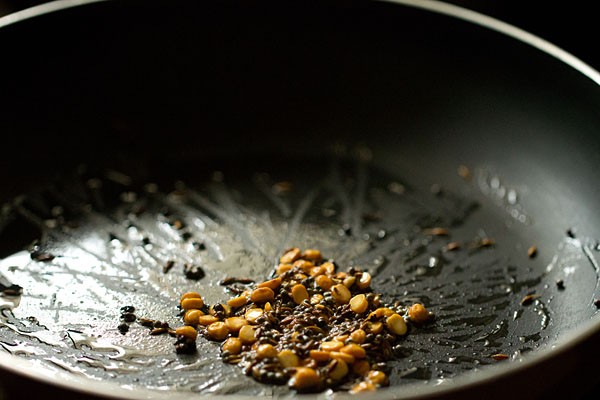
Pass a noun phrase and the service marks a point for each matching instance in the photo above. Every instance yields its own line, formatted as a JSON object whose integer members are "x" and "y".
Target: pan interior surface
{"x": 362, "y": 112}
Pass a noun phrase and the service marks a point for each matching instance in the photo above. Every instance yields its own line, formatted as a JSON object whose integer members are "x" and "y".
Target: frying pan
{"x": 121, "y": 117}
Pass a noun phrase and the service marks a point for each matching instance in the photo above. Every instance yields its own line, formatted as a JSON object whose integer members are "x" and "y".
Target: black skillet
{"x": 369, "y": 109}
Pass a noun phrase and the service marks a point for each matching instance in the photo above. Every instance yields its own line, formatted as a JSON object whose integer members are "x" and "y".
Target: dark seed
{"x": 193, "y": 272}
{"x": 146, "y": 322}
{"x": 127, "y": 309}
{"x": 123, "y": 328}
{"x": 128, "y": 317}
{"x": 560, "y": 284}
{"x": 168, "y": 265}
{"x": 199, "y": 246}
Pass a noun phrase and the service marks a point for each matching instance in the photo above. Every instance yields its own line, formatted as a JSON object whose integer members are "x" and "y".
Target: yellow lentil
{"x": 331, "y": 346}
{"x": 364, "y": 281}
{"x": 304, "y": 379}
{"x": 237, "y": 302}
{"x": 361, "y": 367}
{"x": 217, "y": 330}
{"x": 354, "y": 350}
{"x": 272, "y": 284}
{"x": 290, "y": 256}
{"x": 319, "y": 355}
{"x": 191, "y": 316}
{"x": 247, "y": 334}
{"x": 299, "y": 293}
{"x": 192, "y": 303}
{"x": 265, "y": 351}
{"x": 234, "y": 324}
{"x": 233, "y": 345}
{"x": 252, "y": 314}
{"x": 187, "y": 331}
{"x": 324, "y": 282}
{"x": 396, "y": 324}
{"x": 207, "y": 319}
{"x": 288, "y": 359}
{"x": 358, "y": 336}
{"x": 378, "y": 378}
{"x": 312, "y": 255}
{"x": 363, "y": 386}
{"x": 262, "y": 295}
{"x": 340, "y": 294}
{"x": 418, "y": 313}
{"x": 359, "y": 303}
{"x": 339, "y": 370}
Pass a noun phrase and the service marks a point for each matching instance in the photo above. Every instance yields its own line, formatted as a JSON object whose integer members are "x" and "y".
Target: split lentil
{"x": 311, "y": 327}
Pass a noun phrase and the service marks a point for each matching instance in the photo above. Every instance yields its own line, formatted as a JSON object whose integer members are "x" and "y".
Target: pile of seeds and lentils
{"x": 310, "y": 326}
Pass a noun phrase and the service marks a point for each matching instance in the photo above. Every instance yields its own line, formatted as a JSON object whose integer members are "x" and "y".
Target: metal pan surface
{"x": 385, "y": 118}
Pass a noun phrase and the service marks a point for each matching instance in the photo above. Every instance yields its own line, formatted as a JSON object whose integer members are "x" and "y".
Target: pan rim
{"x": 462, "y": 382}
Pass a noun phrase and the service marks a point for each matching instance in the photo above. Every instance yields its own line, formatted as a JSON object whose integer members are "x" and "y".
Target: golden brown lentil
{"x": 207, "y": 320}
{"x": 262, "y": 295}
{"x": 191, "y": 316}
{"x": 288, "y": 359}
{"x": 232, "y": 345}
{"x": 290, "y": 256}
{"x": 305, "y": 379}
{"x": 340, "y": 293}
{"x": 324, "y": 282}
{"x": 186, "y": 331}
{"x": 268, "y": 330}
{"x": 358, "y": 336}
{"x": 192, "y": 303}
{"x": 418, "y": 313}
{"x": 217, "y": 330}
{"x": 299, "y": 293}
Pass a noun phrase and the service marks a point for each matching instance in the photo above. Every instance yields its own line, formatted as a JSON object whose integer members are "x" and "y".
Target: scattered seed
{"x": 437, "y": 231}
{"x": 500, "y": 356}
{"x": 532, "y": 252}
{"x": 193, "y": 272}
{"x": 396, "y": 324}
{"x": 529, "y": 299}
{"x": 128, "y": 317}
{"x": 560, "y": 284}
{"x": 123, "y": 328}
{"x": 464, "y": 172}
{"x": 168, "y": 265}
{"x": 452, "y": 246}
{"x": 281, "y": 188}
{"x": 418, "y": 313}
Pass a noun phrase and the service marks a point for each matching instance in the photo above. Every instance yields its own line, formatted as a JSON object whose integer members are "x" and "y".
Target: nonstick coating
{"x": 336, "y": 96}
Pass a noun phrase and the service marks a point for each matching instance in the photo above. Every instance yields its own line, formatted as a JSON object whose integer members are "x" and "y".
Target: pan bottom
{"x": 105, "y": 238}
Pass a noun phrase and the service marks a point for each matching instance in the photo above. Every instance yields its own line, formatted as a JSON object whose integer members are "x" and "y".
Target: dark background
{"x": 571, "y": 24}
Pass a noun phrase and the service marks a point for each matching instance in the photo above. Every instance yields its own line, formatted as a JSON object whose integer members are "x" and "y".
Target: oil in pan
{"x": 111, "y": 243}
